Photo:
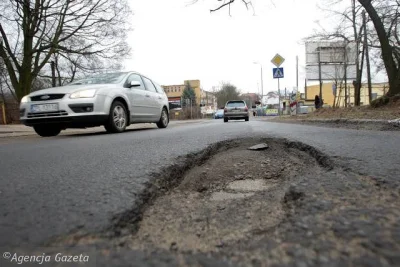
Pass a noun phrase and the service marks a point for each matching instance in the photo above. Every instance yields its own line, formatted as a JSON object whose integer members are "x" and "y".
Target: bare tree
{"x": 33, "y": 31}
{"x": 384, "y": 14}
{"x": 348, "y": 30}
{"x": 387, "y": 32}
{"x": 227, "y": 92}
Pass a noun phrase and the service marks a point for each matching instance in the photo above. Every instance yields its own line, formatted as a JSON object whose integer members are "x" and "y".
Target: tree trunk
{"x": 392, "y": 70}
{"x": 25, "y": 80}
{"x": 357, "y": 82}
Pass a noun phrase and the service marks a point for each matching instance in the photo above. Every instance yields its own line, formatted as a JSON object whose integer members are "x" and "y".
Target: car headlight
{"x": 25, "y": 99}
{"x": 84, "y": 94}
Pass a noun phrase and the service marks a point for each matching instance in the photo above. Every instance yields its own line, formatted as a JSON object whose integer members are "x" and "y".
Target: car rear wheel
{"x": 47, "y": 130}
{"x": 246, "y": 119}
{"x": 164, "y": 119}
{"x": 225, "y": 120}
{"x": 117, "y": 120}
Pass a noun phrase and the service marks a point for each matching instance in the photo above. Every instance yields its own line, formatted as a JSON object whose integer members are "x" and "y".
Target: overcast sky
{"x": 174, "y": 41}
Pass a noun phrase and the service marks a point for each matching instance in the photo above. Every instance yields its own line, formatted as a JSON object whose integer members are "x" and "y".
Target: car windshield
{"x": 104, "y": 78}
{"x": 235, "y": 104}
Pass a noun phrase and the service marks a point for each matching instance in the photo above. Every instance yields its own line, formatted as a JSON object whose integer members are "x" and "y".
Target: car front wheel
{"x": 47, "y": 130}
{"x": 225, "y": 120}
{"x": 164, "y": 119}
{"x": 117, "y": 120}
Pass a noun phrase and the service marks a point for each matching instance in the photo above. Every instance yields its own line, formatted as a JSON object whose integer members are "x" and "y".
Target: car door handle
{"x": 147, "y": 95}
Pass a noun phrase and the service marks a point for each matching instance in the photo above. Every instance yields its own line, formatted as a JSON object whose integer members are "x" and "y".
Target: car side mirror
{"x": 135, "y": 84}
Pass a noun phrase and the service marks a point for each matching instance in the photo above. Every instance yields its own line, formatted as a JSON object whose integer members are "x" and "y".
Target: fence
{"x": 186, "y": 114}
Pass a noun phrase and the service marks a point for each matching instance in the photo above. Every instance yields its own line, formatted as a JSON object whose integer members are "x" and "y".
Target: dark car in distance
{"x": 236, "y": 110}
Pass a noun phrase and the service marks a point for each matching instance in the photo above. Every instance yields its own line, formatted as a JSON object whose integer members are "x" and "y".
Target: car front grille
{"x": 48, "y": 114}
{"x": 46, "y": 97}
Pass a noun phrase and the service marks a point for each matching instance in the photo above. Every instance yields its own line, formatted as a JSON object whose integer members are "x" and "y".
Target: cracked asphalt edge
{"x": 379, "y": 125}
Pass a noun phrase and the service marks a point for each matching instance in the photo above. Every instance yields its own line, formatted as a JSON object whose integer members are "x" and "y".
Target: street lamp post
{"x": 262, "y": 84}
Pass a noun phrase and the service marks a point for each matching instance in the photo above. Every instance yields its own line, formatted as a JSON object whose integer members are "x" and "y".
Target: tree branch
{"x": 222, "y": 6}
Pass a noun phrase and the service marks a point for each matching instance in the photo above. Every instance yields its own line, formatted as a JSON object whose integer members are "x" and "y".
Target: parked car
{"x": 236, "y": 110}
{"x": 219, "y": 114}
{"x": 114, "y": 100}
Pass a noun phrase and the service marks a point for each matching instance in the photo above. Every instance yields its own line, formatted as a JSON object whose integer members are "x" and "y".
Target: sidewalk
{"x": 15, "y": 130}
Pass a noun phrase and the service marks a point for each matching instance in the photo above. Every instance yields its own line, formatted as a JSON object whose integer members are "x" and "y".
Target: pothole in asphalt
{"x": 225, "y": 198}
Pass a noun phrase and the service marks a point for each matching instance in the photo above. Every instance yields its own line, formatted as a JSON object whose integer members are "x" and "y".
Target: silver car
{"x": 114, "y": 100}
{"x": 236, "y": 110}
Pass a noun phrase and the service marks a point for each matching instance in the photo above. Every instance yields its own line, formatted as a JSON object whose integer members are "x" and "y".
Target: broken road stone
{"x": 259, "y": 147}
{"x": 173, "y": 246}
{"x": 395, "y": 122}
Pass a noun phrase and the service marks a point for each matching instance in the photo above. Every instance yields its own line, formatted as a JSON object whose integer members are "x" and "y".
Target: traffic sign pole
{"x": 279, "y": 94}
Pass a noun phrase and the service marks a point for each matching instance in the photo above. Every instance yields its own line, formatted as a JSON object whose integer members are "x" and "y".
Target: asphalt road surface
{"x": 52, "y": 186}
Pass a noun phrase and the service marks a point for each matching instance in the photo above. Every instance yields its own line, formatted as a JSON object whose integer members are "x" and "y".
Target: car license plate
{"x": 44, "y": 108}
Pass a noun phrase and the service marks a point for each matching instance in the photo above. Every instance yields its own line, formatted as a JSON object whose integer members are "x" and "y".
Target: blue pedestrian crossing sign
{"x": 278, "y": 73}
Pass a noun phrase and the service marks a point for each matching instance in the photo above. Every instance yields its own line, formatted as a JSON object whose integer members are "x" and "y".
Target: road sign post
{"x": 279, "y": 94}
{"x": 277, "y": 60}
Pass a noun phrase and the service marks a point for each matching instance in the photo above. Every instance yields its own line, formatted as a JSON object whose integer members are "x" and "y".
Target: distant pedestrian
{"x": 254, "y": 113}
{"x": 317, "y": 102}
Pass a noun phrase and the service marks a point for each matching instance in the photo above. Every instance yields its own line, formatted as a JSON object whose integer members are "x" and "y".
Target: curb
{"x": 382, "y": 123}
{"x": 66, "y": 132}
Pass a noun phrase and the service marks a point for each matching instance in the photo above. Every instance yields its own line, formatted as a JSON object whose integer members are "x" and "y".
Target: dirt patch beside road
{"x": 360, "y": 118}
{"x": 388, "y": 112}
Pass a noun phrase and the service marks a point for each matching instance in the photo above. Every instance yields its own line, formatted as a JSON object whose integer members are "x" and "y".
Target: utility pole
{"x": 297, "y": 73}
{"x": 262, "y": 88}
{"x": 320, "y": 74}
{"x": 345, "y": 77}
{"x": 367, "y": 57}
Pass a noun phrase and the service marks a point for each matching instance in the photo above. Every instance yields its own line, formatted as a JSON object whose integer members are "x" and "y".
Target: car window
{"x": 103, "y": 78}
{"x": 235, "y": 104}
{"x": 159, "y": 88}
{"x": 135, "y": 77}
{"x": 149, "y": 85}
